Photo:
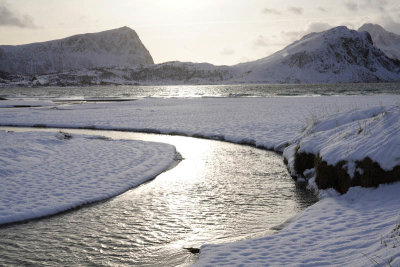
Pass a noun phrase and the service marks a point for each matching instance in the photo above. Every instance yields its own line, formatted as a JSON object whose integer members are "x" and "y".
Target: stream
{"x": 220, "y": 192}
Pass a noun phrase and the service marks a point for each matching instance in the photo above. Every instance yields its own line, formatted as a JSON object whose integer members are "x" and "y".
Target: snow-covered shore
{"x": 338, "y": 230}
{"x": 269, "y": 122}
{"x": 360, "y": 147}
{"x": 359, "y": 228}
{"x": 46, "y": 173}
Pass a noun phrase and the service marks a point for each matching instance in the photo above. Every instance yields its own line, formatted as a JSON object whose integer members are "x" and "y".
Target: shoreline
{"x": 255, "y": 122}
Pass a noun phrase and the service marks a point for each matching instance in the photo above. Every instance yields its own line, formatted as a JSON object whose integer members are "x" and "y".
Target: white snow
{"x": 337, "y": 55}
{"x": 347, "y": 230}
{"x": 338, "y": 230}
{"x": 388, "y": 42}
{"x": 24, "y": 103}
{"x": 372, "y": 132}
{"x": 118, "y": 47}
{"x": 43, "y": 174}
{"x": 270, "y": 122}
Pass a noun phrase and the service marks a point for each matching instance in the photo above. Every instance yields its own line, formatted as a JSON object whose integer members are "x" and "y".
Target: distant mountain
{"x": 118, "y": 47}
{"x": 387, "y": 41}
{"x": 169, "y": 73}
{"x": 337, "y": 55}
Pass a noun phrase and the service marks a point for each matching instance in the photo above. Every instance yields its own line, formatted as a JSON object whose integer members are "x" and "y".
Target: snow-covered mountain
{"x": 118, "y": 47}
{"x": 338, "y": 55}
{"x": 335, "y": 55}
{"x": 169, "y": 73}
{"x": 388, "y": 42}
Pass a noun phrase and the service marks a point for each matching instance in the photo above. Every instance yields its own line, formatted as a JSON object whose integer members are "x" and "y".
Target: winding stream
{"x": 220, "y": 192}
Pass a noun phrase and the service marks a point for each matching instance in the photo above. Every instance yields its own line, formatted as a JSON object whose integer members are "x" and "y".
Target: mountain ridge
{"x": 337, "y": 55}
{"x": 120, "y": 47}
{"x": 388, "y": 42}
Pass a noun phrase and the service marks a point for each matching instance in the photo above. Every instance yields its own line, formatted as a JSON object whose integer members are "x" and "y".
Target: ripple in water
{"x": 220, "y": 192}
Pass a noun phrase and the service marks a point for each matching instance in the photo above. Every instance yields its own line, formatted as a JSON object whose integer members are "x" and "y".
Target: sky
{"x": 221, "y": 32}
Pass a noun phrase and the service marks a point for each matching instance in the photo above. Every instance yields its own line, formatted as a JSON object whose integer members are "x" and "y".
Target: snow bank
{"x": 43, "y": 174}
{"x": 341, "y": 230}
{"x": 373, "y": 133}
{"x": 353, "y": 141}
{"x": 269, "y": 122}
{"x": 355, "y": 229}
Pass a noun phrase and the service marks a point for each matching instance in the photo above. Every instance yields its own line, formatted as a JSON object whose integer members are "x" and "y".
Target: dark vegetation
{"x": 369, "y": 174}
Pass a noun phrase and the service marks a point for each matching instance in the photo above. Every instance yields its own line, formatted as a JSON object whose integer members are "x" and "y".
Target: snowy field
{"x": 46, "y": 173}
{"x": 268, "y": 122}
{"x": 356, "y": 229}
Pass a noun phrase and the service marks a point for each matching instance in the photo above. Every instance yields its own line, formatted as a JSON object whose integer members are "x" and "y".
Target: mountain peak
{"x": 125, "y": 29}
{"x": 336, "y": 55}
{"x": 371, "y": 27}
{"x": 116, "y": 47}
{"x": 388, "y": 42}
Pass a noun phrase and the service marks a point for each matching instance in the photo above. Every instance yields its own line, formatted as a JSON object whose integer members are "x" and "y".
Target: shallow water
{"x": 219, "y": 192}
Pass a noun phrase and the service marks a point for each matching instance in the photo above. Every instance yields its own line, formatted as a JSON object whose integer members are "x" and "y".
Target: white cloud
{"x": 375, "y": 5}
{"x": 295, "y": 10}
{"x": 261, "y": 41}
{"x": 9, "y": 18}
{"x": 271, "y": 11}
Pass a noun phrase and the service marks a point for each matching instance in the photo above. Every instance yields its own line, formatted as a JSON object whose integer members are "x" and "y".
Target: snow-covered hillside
{"x": 335, "y": 55}
{"x": 338, "y": 55}
{"x": 169, "y": 73}
{"x": 387, "y": 41}
{"x": 118, "y": 47}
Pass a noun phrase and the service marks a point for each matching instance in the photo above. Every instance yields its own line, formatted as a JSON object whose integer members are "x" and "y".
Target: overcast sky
{"x": 214, "y": 31}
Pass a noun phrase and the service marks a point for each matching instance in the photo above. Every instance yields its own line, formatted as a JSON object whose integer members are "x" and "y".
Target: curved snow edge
{"x": 356, "y": 148}
{"x": 131, "y": 164}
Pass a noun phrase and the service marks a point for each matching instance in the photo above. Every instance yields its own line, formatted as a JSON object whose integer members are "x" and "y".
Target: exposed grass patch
{"x": 303, "y": 161}
{"x": 337, "y": 177}
{"x": 328, "y": 176}
{"x": 373, "y": 175}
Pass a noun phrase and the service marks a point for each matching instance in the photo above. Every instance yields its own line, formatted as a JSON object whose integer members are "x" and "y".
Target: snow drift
{"x": 43, "y": 174}
{"x": 353, "y": 148}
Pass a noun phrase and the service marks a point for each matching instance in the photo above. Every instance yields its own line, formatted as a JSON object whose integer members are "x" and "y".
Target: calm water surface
{"x": 219, "y": 192}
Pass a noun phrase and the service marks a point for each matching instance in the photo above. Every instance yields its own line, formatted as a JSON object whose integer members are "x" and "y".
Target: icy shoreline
{"x": 45, "y": 173}
{"x": 272, "y": 123}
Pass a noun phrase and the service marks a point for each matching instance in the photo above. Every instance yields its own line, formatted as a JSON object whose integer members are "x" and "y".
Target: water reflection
{"x": 238, "y": 90}
{"x": 220, "y": 192}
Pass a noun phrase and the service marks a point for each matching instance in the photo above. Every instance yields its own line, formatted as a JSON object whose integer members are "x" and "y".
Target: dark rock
{"x": 193, "y": 250}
